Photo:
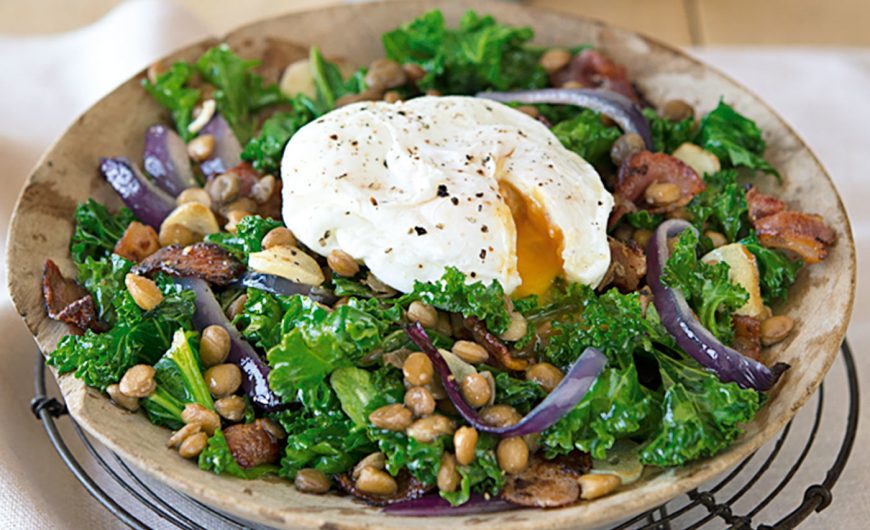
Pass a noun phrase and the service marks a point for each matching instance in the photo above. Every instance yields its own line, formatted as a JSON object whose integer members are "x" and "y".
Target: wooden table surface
{"x": 698, "y": 22}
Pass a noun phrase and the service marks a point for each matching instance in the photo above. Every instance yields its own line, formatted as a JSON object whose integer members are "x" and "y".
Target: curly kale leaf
{"x": 721, "y": 206}
{"x": 707, "y": 287}
{"x": 315, "y": 341}
{"x": 139, "y": 337}
{"x": 240, "y": 92}
{"x": 97, "y": 231}
{"x": 588, "y": 136}
{"x": 170, "y": 90}
{"x": 700, "y": 414}
{"x": 668, "y": 135}
{"x": 616, "y": 406}
{"x": 734, "y": 138}
{"x": 452, "y": 293}
{"x": 104, "y": 279}
{"x": 248, "y": 237}
{"x": 480, "y": 54}
{"x": 776, "y": 270}
{"x": 482, "y": 475}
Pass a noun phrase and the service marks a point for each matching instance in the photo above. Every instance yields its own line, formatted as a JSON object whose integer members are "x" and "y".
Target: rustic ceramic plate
{"x": 821, "y": 301}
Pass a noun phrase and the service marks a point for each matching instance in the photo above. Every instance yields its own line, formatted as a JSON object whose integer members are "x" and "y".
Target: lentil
{"x": 775, "y": 329}
{"x": 418, "y": 369}
{"x": 512, "y": 455}
{"x": 420, "y": 401}
{"x": 476, "y": 390}
{"x": 376, "y": 482}
{"x": 546, "y": 375}
{"x": 425, "y": 314}
{"x": 193, "y": 445}
{"x": 448, "y": 477}
{"x": 310, "y": 480}
{"x": 278, "y": 237}
{"x": 555, "y": 59}
{"x": 465, "y": 444}
{"x": 431, "y": 427}
{"x": 342, "y": 263}
{"x": 470, "y": 352}
{"x": 223, "y": 379}
{"x": 125, "y": 402}
{"x": 231, "y": 408}
{"x": 195, "y": 412}
{"x": 391, "y": 417}
{"x": 214, "y": 345}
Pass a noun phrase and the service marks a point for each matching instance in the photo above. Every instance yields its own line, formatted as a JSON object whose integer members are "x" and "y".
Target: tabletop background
{"x": 810, "y": 59}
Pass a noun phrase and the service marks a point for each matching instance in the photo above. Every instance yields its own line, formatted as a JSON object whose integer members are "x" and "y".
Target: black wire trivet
{"x": 133, "y": 491}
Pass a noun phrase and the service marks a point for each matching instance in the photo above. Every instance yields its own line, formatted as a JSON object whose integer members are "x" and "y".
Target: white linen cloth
{"x": 48, "y": 80}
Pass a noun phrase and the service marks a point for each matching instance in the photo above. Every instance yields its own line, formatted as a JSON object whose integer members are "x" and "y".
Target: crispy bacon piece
{"x": 646, "y": 167}
{"x": 252, "y": 445}
{"x": 747, "y": 335}
{"x": 494, "y": 345}
{"x": 627, "y": 266}
{"x": 409, "y": 489}
{"x": 595, "y": 70}
{"x": 802, "y": 233}
{"x": 548, "y": 483}
{"x": 138, "y": 242}
{"x": 761, "y": 205}
{"x": 201, "y": 260}
{"x": 67, "y": 301}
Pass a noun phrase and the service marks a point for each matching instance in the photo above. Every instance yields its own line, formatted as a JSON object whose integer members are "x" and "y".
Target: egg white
{"x": 410, "y": 188}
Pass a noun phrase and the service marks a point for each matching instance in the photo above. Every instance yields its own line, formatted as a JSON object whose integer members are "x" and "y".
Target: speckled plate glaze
{"x": 820, "y": 302}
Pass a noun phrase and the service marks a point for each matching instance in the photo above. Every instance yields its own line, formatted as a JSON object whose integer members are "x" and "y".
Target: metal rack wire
{"x": 739, "y": 500}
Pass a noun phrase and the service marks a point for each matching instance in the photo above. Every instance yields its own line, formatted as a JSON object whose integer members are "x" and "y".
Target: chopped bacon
{"x": 201, "y": 260}
{"x": 805, "y": 234}
{"x": 621, "y": 207}
{"x": 138, "y": 242}
{"x": 747, "y": 335}
{"x": 409, "y": 488}
{"x": 548, "y": 483}
{"x": 627, "y": 266}
{"x": 252, "y": 445}
{"x": 67, "y": 301}
{"x": 646, "y": 167}
{"x": 761, "y": 205}
{"x": 497, "y": 349}
{"x": 594, "y": 70}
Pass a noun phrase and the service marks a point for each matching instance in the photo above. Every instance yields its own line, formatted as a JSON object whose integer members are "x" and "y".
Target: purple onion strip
{"x": 149, "y": 203}
{"x": 284, "y": 287}
{"x": 615, "y": 106}
{"x": 165, "y": 158}
{"x": 227, "y": 149}
{"x": 696, "y": 340}
{"x": 255, "y": 372}
{"x": 562, "y": 399}
{"x": 434, "y": 505}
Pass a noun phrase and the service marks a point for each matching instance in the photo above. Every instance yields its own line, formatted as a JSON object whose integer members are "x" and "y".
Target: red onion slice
{"x": 150, "y": 204}
{"x": 165, "y": 158}
{"x": 562, "y": 399}
{"x": 677, "y": 317}
{"x": 255, "y": 372}
{"x": 615, "y": 106}
{"x": 227, "y": 149}
{"x": 433, "y": 505}
{"x": 284, "y": 287}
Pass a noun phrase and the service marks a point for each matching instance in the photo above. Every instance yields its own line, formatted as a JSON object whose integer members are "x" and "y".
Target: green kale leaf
{"x": 482, "y": 475}
{"x": 644, "y": 219}
{"x": 104, "y": 279}
{"x": 721, "y": 206}
{"x": 520, "y": 394}
{"x": 321, "y": 435}
{"x": 97, "y": 231}
{"x": 218, "y": 459}
{"x": 451, "y": 293}
{"x": 239, "y": 91}
{"x": 734, "y": 138}
{"x": 421, "y": 459}
{"x": 170, "y": 90}
{"x": 668, "y": 135}
{"x": 700, "y": 414}
{"x": 260, "y": 320}
{"x": 480, "y": 54}
{"x": 248, "y": 237}
{"x": 776, "y": 270}
{"x": 139, "y": 337}
{"x": 265, "y": 149}
{"x": 315, "y": 341}
{"x": 355, "y": 391}
{"x": 706, "y": 287}
{"x": 616, "y": 406}
{"x": 588, "y": 136}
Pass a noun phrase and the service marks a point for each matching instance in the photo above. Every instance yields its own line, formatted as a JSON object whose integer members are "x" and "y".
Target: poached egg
{"x": 413, "y": 187}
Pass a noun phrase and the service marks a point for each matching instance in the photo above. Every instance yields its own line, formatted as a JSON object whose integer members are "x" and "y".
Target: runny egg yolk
{"x": 539, "y": 244}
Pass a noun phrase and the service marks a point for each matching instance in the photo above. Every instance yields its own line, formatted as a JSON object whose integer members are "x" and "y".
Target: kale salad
{"x": 474, "y": 274}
